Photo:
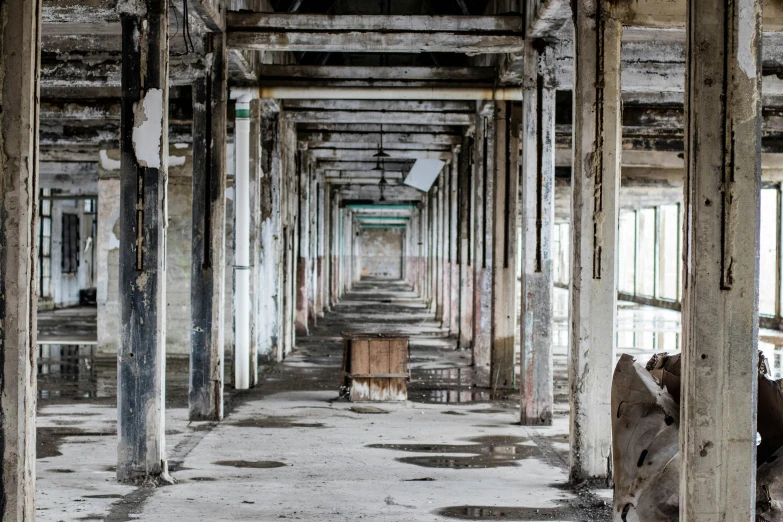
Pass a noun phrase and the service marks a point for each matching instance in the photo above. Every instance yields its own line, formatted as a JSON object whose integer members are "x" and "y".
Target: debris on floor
{"x": 645, "y": 435}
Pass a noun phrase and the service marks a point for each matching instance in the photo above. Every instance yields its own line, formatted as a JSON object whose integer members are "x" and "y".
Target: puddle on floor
{"x": 274, "y": 422}
{"x": 255, "y": 464}
{"x": 504, "y": 513}
{"x": 367, "y": 409}
{"x": 485, "y": 452}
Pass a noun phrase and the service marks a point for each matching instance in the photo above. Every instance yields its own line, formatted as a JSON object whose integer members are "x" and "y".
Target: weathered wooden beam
{"x": 207, "y": 299}
{"x": 20, "y": 36}
{"x": 104, "y": 70}
{"x": 79, "y": 11}
{"x": 362, "y": 166}
{"x": 381, "y": 117}
{"x": 366, "y": 154}
{"x": 141, "y": 452}
{"x": 265, "y": 22}
{"x": 374, "y": 129}
{"x": 390, "y": 139}
{"x": 375, "y": 105}
{"x": 276, "y": 73}
{"x": 668, "y": 14}
{"x": 372, "y": 146}
{"x": 376, "y": 33}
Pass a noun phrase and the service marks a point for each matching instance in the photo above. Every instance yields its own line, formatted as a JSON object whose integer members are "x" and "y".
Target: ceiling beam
{"x": 390, "y": 140}
{"x": 381, "y": 105}
{"x": 365, "y": 117}
{"x": 367, "y": 154}
{"x": 274, "y": 73}
{"x": 374, "y": 33}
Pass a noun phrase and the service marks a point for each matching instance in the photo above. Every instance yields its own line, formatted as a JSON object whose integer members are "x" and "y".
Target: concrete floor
{"x": 290, "y": 450}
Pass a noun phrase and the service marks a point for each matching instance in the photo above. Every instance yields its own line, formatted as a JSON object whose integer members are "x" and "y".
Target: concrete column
{"x": 20, "y": 66}
{"x": 270, "y": 238}
{"x": 482, "y": 278}
{"x": 322, "y": 219}
{"x": 721, "y": 245}
{"x": 538, "y": 213}
{"x": 442, "y": 245}
{"x": 466, "y": 249}
{"x": 107, "y": 244}
{"x": 314, "y": 216}
{"x": 289, "y": 207}
{"x": 504, "y": 229}
{"x": 303, "y": 246}
{"x": 242, "y": 246}
{"x": 207, "y": 290}
{"x": 256, "y": 254}
{"x": 594, "y": 215}
{"x": 141, "y": 451}
{"x": 453, "y": 300}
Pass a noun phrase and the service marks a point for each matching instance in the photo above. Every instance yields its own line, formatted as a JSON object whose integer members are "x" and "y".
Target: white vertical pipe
{"x": 242, "y": 248}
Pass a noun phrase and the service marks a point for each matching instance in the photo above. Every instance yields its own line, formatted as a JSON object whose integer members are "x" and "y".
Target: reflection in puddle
{"x": 454, "y": 386}
{"x": 485, "y": 452}
{"x": 504, "y": 513}
{"x": 255, "y": 464}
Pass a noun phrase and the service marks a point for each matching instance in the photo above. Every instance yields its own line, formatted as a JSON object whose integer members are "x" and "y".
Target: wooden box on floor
{"x": 375, "y": 367}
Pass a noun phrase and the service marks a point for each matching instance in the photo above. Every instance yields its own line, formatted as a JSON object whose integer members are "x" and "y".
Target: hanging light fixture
{"x": 381, "y": 153}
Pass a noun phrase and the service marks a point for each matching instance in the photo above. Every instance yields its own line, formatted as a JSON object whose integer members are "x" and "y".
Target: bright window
{"x": 669, "y": 252}
{"x": 645, "y": 248}
{"x": 768, "y": 247}
{"x": 627, "y": 245}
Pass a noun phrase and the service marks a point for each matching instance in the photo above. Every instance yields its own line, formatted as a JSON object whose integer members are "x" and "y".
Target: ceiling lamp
{"x": 381, "y": 153}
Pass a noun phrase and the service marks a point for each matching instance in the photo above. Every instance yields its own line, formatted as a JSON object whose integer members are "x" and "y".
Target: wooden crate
{"x": 375, "y": 367}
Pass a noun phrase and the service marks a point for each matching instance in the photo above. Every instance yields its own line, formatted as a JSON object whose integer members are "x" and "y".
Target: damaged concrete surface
{"x": 450, "y": 453}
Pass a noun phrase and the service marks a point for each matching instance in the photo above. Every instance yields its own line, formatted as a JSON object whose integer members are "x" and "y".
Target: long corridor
{"x": 291, "y": 449}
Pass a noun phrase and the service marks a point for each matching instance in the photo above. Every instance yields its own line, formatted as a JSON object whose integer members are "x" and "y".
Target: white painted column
{"x": 538, "y": 213}
{"x": 721, "y": 245}
{"x": 242, "y": 247}
{"x": 594, "y": 214}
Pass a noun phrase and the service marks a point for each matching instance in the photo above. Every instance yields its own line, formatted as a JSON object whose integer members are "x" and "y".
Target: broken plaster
{"x": 148, "y": 129}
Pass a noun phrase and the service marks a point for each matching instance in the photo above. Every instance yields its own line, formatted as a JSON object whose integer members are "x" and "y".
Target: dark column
{"x": 141, "y": 452}
{"x": 207, "y": 291}
{"x": 19, "y": 71}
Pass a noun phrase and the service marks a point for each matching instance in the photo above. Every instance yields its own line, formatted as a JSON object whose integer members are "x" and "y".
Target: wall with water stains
{"x": 381, "y": 252}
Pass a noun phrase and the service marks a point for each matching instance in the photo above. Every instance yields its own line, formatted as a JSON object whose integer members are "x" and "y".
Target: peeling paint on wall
{"x": 108, "y": 163}
{"x": 148, "y": 130}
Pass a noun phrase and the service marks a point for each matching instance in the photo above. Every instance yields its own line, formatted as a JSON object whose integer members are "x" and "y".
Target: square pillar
{"x": 453, "y": 232}
{"x": 538, "y": 214}
{"x": 505, "y": 197}
{"x": 141, "y": 451}
{"x": 20, "y": 66}
{"x": 484, "y": 186}
{"x": 721, "y": 249}
{"x": 594, "y": 216}
{"x": 466, "y": 194}
{"x": 303, "y": 246}
{"x": 207, "y": 290}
